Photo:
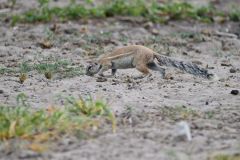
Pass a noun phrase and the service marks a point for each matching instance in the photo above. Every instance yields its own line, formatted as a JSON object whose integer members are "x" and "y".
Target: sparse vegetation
{"x": 192, "y": 36}
{"x": 4, "y": 70}
{"x": 78, "y": 116}
{"x": 185, "y": 113}
{"x": 60, "y": 68}
{"x": 179, "y": 113}
{"x": 24, "y": 69}
{"x": 152, "y": 11}
{"x": 235, "y": 15}
{"x": 226, "y": 157}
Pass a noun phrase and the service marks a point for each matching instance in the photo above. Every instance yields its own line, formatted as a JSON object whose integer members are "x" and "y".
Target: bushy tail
{"x": 185, "y": 66}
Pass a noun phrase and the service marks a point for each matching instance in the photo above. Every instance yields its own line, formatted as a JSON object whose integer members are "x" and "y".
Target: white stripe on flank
{"x": 120, "y": 55}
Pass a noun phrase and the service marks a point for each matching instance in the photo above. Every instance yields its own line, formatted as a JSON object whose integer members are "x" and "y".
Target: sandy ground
{"x": 154, "y": 105}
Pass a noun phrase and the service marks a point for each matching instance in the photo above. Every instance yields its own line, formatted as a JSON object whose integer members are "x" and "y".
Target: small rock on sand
{"x": 232, "y": 70}
{"x": 101, "y": 79}
{"x": 235, "y": 92}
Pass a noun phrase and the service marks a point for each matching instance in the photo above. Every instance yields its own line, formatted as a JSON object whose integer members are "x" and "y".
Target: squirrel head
{"x": 93, "y": 68}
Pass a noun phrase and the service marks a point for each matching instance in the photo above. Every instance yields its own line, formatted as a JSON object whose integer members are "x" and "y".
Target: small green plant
{"x": 206, "y": 14}
{"x": 91, "y": 109}
{"x": 22, "y": 100}
{"x": 5, "y": 70}
{"x": 43, "y": 3}
{"x": 49, "y": 35}
{"x": 62, "y": 68}
{"x": 235, "y": 15}
{"x": 47, "y": 69}
{"x": 209, "y": 114}
{"x": 24, "y": 69}
{"x": 79, "y": 116}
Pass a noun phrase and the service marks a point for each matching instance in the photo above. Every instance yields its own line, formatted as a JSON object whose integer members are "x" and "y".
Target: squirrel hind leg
{"x": 143, "y": 69}
{"x": 114, "y": 72}
{"x": 153, "y": 66}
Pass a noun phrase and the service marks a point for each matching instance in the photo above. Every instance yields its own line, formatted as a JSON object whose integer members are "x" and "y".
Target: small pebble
{"x": 197, "y": 62}
{"x": 210, "y": 67}
{"x": 99, "y": 85}
{"x": 235, "y": 92}
{"x": 226, "y": 63}
{"x": 1, "y": 91}
{"x": 227, "y": 85}
{"x": 232, "y": 70}
{"x": 101, "y": 79}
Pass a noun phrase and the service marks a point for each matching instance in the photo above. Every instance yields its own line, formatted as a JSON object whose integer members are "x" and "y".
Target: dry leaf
{"x": 22, "y": 77}
{"x": 36, "y": 147}
{"x": 48, "y": 75}
{"x": 46, "y": 44}
{"x": 84, "y": 30}
{"x": 43, "y": 137}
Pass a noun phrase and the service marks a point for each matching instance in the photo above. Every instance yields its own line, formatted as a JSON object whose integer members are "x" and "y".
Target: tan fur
{"x": 141, "y": 57}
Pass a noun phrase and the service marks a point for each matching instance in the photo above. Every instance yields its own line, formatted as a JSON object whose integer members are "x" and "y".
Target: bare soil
{"x": 148, "y": 109}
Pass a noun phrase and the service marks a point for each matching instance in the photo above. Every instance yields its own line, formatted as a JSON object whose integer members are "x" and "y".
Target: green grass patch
{"x": 151, "y": 10}
{"x": 78, "y": 117}
{"x": 235, "y": 15}
{"x": 47, "y": 67}
{"x": 61, "y": 68}
{"x": 4, "y": 70}
{"x": 226, "y": 157}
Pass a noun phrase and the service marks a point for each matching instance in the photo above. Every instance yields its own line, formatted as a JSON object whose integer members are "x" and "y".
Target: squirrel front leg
{"x": 104, "y": 68}
{"x": 143, "y": 69}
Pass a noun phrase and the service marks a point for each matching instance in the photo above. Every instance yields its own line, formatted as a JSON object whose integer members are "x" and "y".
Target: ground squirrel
{"x": 142, "y": 58}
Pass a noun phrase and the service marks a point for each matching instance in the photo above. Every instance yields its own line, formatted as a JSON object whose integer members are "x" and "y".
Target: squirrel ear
{"x": 100, "y": 67}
